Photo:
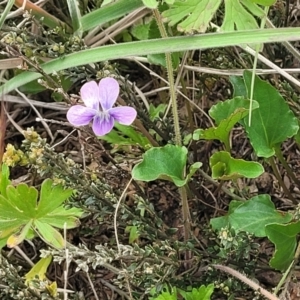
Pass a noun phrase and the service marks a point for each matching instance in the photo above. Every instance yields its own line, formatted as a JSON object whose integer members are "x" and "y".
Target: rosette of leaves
{"x": 22, "y": 216}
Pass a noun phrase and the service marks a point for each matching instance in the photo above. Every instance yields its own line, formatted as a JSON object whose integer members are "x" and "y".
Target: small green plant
{"x": 201, "y": 293}
{"x": 23, "y": 216}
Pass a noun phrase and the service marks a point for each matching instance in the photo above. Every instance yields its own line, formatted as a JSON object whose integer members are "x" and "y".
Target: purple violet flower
{"x": 99, "y": 100}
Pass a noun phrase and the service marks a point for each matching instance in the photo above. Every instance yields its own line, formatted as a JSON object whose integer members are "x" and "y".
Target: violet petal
{"x": 123, "y": 114}
{"x": 108, "y": 92}
{"x": 79, "y": 115}
{"x": 90, "y": 94}
{"x": 102, "y": 125}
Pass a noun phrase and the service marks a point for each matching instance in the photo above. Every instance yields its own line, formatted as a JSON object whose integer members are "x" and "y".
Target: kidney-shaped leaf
{"x": 254, "y": 214}
{"x": 284, "y": 236}
{"x": 166, "y": 163}
{"x": 273, "y": 122}
{"x": 225, "y": 167}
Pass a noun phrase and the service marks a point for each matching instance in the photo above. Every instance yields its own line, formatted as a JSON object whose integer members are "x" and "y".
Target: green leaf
{"x": 225, "y": 109}
{"x": 39, "y": 270}
{"x": 133, "y": 233}
{"x": 126, "y": 135}
{"x": 226, "y": 114}
{"x": 239, "y": 88}
{"x": 51, "y": 197}
{"x": 75, "y": 16}
{"x": 109, "y": 12}
{"x": 265, "y": 2}
{"x": 197, "y": 14}
{"x": 166, "y": 163}
{"x": 19, "y": 236}
{"x": 254, "y": 214}
{"x": 23, "y": 198}
{"x": 225, "y": 167}
{"x": 253, "y": 8}
{"x": 20, "y": 214}
{"x": 141, "y": 31}
{"x": 273, "y": 122}
{"x": 49, "y": 234}
{"x": 222, "y": 222}
{"x": 284, "y": 237}
{"x": 166, "y": 295}
{"x": 237, "y": 17}
{"x": 9, "y": 5}
{"x": 9, "y": 208}
{"x": 151, "y": 3}
{"x": 154, "y": 112}
{"x": 65, "y": 222}
{"x": 177, "y": 44}
{"x": 202, "y": 293}
{"x": 4, "y": 179}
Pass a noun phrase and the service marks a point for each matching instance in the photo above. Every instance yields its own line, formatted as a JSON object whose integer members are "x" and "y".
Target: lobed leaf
{"x": 203, "y": 293}
{"x": 24, "y": 199}
{"x": 237, "y": 17}
{"x": 196, "y": 14}
{"x": 51, "y": 197}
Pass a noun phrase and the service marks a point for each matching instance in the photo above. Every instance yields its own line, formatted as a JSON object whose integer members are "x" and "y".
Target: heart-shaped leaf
{"x": 222, "y": 222}
{"x": 273, "y": 122}
{"x": 225, "y": 109}
{"x": 284, "y": 237}
{"x": 225, "y": 167}
{"x": 226, "y": 115}
{"x": 254, "y": 214}
{"x": 166, "y": 163}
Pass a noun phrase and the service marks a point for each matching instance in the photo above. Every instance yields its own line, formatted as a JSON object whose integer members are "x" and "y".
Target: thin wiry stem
{"x": 182, "y": 190}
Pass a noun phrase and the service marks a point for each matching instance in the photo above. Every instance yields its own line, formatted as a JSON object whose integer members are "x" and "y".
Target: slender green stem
{"x": 257, "y": 49}
{"x": 290, "y": 172}
{"x": 278, "y": 177}
{"x": 182, "y": 190}
{"x": 170, "y": 78}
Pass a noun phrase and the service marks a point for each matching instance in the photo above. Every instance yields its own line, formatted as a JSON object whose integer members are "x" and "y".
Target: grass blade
{"x": 7, "y": 9}
{"x": 75, "y": 16}
{"x": 172, "y": 44}
{"x": 109, "y": 12}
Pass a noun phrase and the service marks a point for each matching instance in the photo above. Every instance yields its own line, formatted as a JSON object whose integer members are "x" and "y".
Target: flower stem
{"x": 182, "y": 190}
{"x": 169, "y": 65}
